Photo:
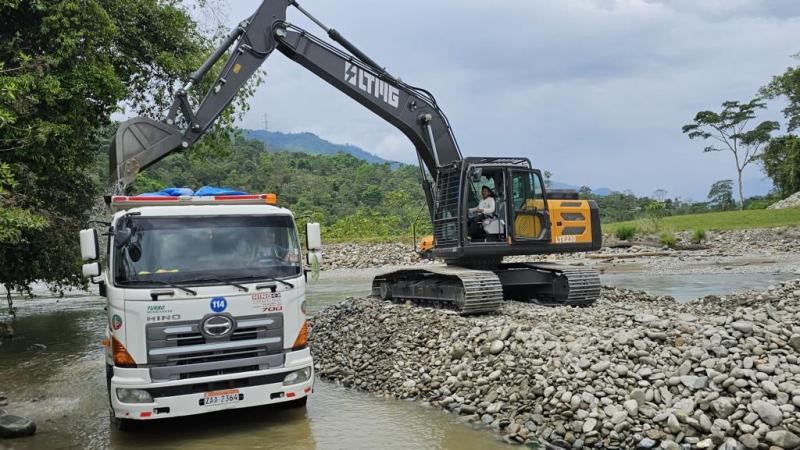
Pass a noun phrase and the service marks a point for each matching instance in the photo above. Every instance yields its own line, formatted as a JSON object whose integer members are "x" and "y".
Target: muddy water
{"x": 53, "y": 373}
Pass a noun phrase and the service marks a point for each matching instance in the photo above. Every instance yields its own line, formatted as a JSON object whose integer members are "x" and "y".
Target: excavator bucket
{"x": 139, "y": 143}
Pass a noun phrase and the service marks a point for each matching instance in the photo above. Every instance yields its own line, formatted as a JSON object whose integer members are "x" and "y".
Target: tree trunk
{"x": 11, "y": 311}
{"x": 741, "y": 195}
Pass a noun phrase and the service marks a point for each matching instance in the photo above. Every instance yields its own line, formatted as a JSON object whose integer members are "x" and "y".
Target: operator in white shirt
{"x": 477, "y": 215}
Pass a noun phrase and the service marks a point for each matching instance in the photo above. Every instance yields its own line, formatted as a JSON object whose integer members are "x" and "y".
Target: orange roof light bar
{"x": 121, "y": 202}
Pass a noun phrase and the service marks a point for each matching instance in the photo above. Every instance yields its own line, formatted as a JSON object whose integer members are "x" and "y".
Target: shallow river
{"x": 56, "y": 360}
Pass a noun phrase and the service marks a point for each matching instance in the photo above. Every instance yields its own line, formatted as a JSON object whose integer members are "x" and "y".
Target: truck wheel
{"x": 119, "y": 424}
{"x": 299, "y": 403}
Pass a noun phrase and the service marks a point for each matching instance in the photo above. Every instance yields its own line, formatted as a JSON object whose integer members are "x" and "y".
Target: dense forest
{"x": 352, "y": 198}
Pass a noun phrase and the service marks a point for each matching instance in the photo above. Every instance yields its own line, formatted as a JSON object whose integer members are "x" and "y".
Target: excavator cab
{"x": 526, "y": 219}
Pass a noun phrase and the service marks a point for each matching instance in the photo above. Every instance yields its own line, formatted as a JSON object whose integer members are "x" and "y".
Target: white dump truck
{"x": 206, "y": 304}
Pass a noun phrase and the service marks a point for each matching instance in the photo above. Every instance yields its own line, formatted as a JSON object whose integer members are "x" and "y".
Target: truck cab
{"x": 206, "y": 305}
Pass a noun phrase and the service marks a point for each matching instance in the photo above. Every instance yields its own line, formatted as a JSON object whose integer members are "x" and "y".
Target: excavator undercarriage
{"x": 472, "y": 291}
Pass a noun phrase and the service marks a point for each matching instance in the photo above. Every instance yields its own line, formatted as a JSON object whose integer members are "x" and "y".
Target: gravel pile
{"x": 634, "y": 371}
{"x": 792, "y": 201}
{"x": 748, "y": 243}
{"x": 362, "y": 256}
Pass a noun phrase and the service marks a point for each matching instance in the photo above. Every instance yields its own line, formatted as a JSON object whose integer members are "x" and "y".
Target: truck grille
{"x": 178, "y": 350}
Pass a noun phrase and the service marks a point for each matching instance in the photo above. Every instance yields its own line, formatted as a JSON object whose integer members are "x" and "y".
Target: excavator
{"x": 528, "y": 220}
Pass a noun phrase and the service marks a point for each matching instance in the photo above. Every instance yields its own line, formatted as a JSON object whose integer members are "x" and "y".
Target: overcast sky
{"x": 596, "y": 91}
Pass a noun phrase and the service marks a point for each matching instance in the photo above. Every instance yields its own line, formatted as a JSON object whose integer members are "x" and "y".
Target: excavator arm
{"x": 141, "y": 142}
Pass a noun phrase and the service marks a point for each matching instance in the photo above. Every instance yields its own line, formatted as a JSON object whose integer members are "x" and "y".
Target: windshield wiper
{"x": 164, "y": 283}
{"x": 268, "y": 278}
{"x": 220, "y": 280}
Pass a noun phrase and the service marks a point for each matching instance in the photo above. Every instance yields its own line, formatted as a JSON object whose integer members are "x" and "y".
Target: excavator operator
{"x": 485, "y": 209}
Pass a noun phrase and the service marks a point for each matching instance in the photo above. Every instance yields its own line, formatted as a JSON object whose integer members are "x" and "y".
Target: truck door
{"x": 530, "y": 215}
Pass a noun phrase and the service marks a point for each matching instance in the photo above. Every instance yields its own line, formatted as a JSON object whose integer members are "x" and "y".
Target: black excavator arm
{"x": 140, "y": 142}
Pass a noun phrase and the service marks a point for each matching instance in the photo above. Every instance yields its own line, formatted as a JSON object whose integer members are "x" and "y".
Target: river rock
{"x": 496, "y": 347}
{"x": 794, "y": 342}
{"x": 783, "y": 439}
{"x": 723, "y": 407}
{"x": 768, "y": 412}
{"x": 14, "y": 426}
{"x": 742, "y": 326}
{"x": 458, "y": 350}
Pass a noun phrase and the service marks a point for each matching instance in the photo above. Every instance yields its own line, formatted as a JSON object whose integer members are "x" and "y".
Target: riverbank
{"x": 633, "y": 371}
{"x": 734, "y": 251}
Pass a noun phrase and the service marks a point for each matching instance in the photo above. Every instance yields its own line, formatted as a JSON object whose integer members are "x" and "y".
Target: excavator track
{"x": 464, "y": 290}
{"x": 582, "y": 285}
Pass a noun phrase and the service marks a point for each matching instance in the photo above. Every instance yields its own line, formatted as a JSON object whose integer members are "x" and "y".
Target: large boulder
{"x": 15, "y": 426}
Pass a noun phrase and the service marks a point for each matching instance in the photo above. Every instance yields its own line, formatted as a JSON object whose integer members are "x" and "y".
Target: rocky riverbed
{"x": 756, "y": 250}
{"x": 634, "y": 371}
{"x": 364, "y": 256}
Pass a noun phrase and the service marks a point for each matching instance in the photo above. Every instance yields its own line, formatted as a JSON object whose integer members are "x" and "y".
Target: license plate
{"x": 217, "y": 398}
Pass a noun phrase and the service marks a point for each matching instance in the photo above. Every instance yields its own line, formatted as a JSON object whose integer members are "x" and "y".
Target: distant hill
{"x": 602, "y": 191}
{"x": 308, "y": 143}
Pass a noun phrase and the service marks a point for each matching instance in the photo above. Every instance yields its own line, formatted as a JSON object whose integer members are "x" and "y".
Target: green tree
{"x": 656, "y": 211}
{"x": 781, "y": 162}
{"x": 787, "y": 85}
{"x": 65, "y": 66}
{"x": 728, "y": 128}
{"x": 720, "y": 196}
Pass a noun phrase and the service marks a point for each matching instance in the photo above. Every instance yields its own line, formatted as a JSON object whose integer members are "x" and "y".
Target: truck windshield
{"x": 186, "y": 249}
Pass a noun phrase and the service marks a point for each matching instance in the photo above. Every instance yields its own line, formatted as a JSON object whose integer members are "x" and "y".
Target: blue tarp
{"x": 169, "y": 192}
{"x": 209, "y": 190}
{"x": 203, "y": 191}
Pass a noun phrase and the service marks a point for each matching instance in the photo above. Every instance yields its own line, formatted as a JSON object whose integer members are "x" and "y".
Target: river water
{"x": 53, "y": 373}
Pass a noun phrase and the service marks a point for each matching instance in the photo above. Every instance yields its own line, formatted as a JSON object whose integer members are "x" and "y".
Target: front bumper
{"x": 189, "y": 397}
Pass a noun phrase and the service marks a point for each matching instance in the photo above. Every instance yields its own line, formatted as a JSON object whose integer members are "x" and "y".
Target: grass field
{"x": 728, "y": 220}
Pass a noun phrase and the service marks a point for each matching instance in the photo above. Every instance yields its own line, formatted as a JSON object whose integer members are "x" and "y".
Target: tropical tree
{"x": 729, "y": 129}
{"x": 720, "y": 196}
{"x": 787, "y": 85}
{"x": 781, "y": 162}
{"x": 65, "y": 67}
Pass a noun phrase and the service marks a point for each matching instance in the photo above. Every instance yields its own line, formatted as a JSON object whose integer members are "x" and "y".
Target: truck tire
{"x": 116, "y": 422}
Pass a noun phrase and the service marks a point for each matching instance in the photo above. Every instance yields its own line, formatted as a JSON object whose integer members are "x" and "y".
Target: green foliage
{"x": 781, "y": 162}
{"x": 668, "y": 240}
{"x": 66, "y": 66}
{"x": 727, "y": 220}
{"x": 720, "y": 195}
{"x": 625, "y": 233}
{"x": 728, "y": 128}
{"x": 351, "y": 198}
{"x": 656, "y": 211}
{"x": 698, "y": 236}
{"x": 14, "y": 221}
{"x": 787, "y": 85}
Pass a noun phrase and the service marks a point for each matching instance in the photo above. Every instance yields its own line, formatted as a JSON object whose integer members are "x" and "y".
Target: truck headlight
{"x": 297, "y": 377}
{"x": 134, "y": 396}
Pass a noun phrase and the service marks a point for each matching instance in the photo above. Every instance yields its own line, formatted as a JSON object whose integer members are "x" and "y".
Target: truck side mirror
{"x": 313, "y": 237}
{"x": 314, "y": 245}
{"x": 91, "y": 270}
{"x": 90, "y": 249}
